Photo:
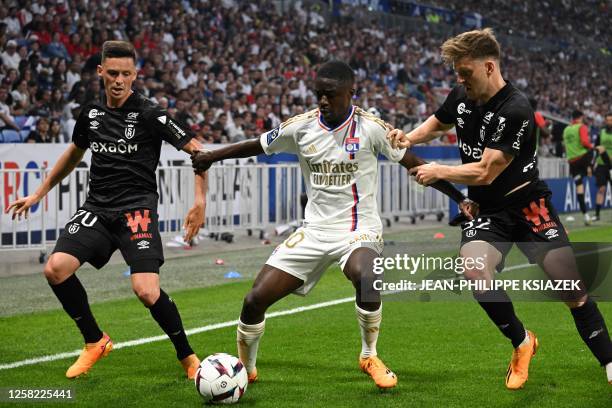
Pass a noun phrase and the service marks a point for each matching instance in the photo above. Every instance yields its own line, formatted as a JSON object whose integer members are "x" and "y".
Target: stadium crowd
{"x": 232, "y": 69}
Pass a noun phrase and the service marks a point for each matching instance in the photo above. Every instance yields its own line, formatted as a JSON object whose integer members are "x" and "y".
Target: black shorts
{"x": 602, "y": 175}
{"x": 534, "y": 227}
{"x": 579, "y": 168}
{"x": 94, "y": 236}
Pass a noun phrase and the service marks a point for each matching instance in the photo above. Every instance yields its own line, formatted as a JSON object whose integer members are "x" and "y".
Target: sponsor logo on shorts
{"x": 94, "y": 113}
{"x": 73, "y": 228}
{"x": 139, "y": 224}
{"x": 552, "y": 233}
{"x": 143, "y": 244}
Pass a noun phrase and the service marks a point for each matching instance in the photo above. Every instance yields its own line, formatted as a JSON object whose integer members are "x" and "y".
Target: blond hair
{"x": 474, "y": 44}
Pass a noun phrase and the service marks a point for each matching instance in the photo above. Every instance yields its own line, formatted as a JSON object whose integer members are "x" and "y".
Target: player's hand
{"x": 201, "y": 160}
{"x": 426, "y": 174}
{"x": 193, "y": 221}
{"x": 398, "y": 139}
{"x": 469, "y": 208}
{"x": 21, "y": 206}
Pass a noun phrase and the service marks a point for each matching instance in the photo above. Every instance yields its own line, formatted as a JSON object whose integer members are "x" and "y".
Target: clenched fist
{"x": 202, "y": 160}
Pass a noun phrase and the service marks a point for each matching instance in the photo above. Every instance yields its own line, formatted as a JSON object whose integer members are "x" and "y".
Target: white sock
{"x": 247, "y": 339}
{"x": 609, "y": 372}
{"x": 369, "y": 324}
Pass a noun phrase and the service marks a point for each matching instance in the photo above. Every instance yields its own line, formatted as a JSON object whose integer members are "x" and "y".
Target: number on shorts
{"x": 85, "y": 216}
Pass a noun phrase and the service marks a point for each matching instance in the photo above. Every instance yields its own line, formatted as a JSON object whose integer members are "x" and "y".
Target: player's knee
{"x": 55, "y": 271}
{"x": 474, "y": 274}
{"x": 602, "y": 189}
{"x": 254, "y": 303}
{"x": 147, "y": 295}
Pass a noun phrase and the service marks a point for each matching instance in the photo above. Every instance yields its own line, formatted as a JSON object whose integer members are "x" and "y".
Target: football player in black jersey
{"x": 496, "y": 136}
{"x": 125, "y": 133}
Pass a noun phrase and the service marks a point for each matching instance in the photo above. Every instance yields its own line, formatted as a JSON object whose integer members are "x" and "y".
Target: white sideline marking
{"x": 145, "y": 340}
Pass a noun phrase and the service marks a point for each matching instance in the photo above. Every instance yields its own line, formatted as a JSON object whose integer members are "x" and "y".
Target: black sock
{"x": 73, "y": 298}
{"x": 499, "y": 307}
{"x": 166, "y": 314}
{"x": 597, "y": 209}
{"x": 581, "y": 202}
{"x": 592, "y": 328}
{"x": 606, "y": 159}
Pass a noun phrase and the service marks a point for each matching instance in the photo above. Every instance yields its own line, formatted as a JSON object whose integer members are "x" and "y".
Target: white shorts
{"x": 308, "y": 252}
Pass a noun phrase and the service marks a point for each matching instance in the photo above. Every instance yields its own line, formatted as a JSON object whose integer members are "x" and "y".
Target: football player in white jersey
{"x": 337, "y": 146}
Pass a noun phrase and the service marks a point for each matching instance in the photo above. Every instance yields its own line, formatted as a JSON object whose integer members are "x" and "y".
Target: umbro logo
{"x": 163, "y": 119}
{"x": 552, "y": 233}
{"x": 143, "y": 244}
{"x": 94, "y": 124}
{"x": 595, "y": 333}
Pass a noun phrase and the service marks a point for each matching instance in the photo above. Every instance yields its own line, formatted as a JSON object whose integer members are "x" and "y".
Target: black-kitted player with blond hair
{"x": 496, "y": 135}
{"x": 124, "y": 133}
{"x": 338, "y": 146}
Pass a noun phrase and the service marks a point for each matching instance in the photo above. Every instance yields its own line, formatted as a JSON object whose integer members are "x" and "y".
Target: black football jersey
{"x": 506, "y": 122}
{"x": 125, "y": 145}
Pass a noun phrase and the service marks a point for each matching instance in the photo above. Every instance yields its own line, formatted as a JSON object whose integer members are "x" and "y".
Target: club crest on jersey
{"x": 351, "y": 145}
{"x": 130, "y": 131}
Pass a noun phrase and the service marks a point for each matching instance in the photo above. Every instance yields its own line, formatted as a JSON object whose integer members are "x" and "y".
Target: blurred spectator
{"x": 41, "y": 134}
{"x": 6, "y": 119}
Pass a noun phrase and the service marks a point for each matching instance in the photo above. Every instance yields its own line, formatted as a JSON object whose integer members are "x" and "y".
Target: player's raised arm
{"x": 64, "y": 166}
{"x": 277, "y": 140}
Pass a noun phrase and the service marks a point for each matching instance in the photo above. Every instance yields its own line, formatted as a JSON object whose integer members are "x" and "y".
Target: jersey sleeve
{"x": 511, "y": 130}
{"x": 79, "y": 133}
{"x": 280, "y": 139}
{"x": 381, "y": 145}
{"x": 446, "y": 112}
{"x": 167, "y": 128}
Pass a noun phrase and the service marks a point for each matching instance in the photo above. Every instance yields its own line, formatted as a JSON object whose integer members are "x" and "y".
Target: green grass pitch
{"x": 444, "y": 353}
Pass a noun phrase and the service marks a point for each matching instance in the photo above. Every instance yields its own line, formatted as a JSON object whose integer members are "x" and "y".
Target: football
{"x": 221, "y": 379}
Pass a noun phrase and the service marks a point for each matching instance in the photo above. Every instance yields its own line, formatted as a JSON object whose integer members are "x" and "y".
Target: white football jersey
{"x": 340, "y": 166}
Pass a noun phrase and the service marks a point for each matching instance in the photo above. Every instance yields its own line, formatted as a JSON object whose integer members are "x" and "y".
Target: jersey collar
{"x": 501, "y": 95}
{"x": 130, "y": 101}
{"x": 342, "y": 125}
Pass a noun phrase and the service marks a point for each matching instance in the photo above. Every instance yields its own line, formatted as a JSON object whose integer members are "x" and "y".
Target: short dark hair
{"x": 577, "y": 114}
{"x": 338, "y": 70}
{"x": 118, "y": 49}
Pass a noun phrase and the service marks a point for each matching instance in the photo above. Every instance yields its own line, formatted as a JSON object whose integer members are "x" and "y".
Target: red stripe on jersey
{"x": 354, "y": 209}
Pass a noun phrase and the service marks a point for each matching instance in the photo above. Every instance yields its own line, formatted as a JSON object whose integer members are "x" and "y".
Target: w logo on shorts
{"x": 138, "y": 221}
{"x": 535, "y": 211}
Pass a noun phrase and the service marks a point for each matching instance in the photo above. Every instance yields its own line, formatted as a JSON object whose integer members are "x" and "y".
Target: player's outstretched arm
{"x": 197, "y": 213}
{"x": 467, "y": 207}
{"x": 64, "y": 166}
{"x": 202, "y": 160}
{"x": 423, "y": 133}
